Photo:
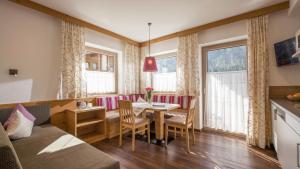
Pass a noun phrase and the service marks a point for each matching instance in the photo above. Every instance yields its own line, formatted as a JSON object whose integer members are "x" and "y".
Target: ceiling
{"x": 130, "y": 17}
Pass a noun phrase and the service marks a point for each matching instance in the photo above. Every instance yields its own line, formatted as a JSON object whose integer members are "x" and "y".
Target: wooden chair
{"x": 183, "y": 123}
{"x": 129, "y": 121}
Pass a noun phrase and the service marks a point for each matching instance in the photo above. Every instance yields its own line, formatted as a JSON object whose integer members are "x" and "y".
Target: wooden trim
{"x": 60, "y": 15}
{"x": 247, "y": 15}
{"x": 224, "y": 133}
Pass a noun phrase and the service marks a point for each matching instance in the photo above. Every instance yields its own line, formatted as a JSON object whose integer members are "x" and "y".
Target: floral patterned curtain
{"x": 72, "y": 84}
{"x": 259, "y": 120}
{"x": 188, "y": 66}
{"x": 131, "y": 69}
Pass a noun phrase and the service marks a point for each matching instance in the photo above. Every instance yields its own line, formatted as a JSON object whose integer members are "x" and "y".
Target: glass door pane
{"x": 226, "y": 89}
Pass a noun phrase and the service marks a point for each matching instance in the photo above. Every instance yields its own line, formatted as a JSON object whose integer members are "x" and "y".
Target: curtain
{"x": 131, "y": 69}
{"x": 72, "y": 84}
{"x": 188, "y": 76}
{"x": 227, "y": 101}
{"x": 259, "y": 120}
{"x": 164, "y": 82}
{"x": 95, "y": 81}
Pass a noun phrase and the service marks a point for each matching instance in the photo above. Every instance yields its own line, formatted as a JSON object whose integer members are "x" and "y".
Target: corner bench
{"x": 112, "y": 113}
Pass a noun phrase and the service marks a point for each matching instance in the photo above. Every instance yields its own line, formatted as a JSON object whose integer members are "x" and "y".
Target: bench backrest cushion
{"x": 111, "y": 102}
{"x": 183, "y": 101}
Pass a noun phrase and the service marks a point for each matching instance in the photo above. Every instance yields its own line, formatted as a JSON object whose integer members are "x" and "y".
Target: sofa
{"x": 112, "y": 115}
{"x": 49, "y": 147}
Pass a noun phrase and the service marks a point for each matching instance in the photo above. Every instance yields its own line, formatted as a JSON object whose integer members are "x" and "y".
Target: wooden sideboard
{"x": 88, "y": 124}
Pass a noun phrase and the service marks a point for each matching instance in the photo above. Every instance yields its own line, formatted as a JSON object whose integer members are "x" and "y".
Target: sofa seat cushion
{"x": 112, "y": 115}
{"x": 50, "y": 148}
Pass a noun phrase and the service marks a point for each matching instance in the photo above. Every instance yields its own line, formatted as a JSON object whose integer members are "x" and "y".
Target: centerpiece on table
{"x": 149, "y": 95}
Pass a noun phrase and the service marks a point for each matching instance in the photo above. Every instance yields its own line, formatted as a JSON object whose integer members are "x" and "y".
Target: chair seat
{"x": 176, "y": 120}
{"x": 139, "y": 122}
{"x": 175, "y": 114}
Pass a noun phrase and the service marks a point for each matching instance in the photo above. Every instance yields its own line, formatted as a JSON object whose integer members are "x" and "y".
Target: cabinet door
{"x": 288, "y": 145}
{"x": 274, "y": 126}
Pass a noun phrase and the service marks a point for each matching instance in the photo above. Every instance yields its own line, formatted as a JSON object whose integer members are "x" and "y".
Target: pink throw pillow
{"x": 18, "y": 126}
{"x": 24, "y": 111}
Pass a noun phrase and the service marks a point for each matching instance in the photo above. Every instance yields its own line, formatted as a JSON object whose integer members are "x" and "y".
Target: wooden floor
{"x": 212, "y": 151}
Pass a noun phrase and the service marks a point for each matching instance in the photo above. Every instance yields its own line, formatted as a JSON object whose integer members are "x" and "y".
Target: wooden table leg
{"x": 159, "y": 125}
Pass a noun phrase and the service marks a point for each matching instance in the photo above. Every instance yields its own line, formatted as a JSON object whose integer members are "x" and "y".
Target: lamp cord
{"x": 149, "y": 24}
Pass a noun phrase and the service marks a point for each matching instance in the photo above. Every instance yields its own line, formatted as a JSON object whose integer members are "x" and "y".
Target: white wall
{"x": 282, "y": 27}
{"x": 30, "y": 41}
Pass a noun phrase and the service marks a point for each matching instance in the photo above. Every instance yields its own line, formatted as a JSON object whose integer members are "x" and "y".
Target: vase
{"x": 149, "y": 97}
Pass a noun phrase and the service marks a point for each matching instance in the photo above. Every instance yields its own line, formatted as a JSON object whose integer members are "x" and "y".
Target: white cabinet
{"x": 274, "y": 127}
{"x": 287, "y": 141}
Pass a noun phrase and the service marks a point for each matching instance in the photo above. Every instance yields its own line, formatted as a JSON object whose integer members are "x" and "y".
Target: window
{"x": 227, "y": 59}
{"x": 226, "y": 96}
{"x": 100, "y": 71}
{"x": 164, "y": 80}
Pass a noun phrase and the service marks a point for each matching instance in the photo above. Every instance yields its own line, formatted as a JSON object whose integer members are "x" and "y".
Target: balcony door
{"x": 225, "y": 87}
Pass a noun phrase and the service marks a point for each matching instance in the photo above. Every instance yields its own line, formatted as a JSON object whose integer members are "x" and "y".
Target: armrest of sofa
{"x": 8, "y": 156}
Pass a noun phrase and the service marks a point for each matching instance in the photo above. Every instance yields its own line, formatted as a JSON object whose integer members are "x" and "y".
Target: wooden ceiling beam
{"x": 247, "y": 15}
{"x": 60, "y": 15}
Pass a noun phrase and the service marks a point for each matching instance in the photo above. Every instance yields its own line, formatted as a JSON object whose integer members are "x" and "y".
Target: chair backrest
{"x": 191, "y": 111}
{"x": 126, "y": 112}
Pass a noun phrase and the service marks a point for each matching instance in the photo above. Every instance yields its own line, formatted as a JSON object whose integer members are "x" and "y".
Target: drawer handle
{"x": 298, "y": 156}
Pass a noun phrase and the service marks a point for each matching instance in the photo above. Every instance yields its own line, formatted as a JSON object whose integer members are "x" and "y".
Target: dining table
{"x": 158, "y": 109}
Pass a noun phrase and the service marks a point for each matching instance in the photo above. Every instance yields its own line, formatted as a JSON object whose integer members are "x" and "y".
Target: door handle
{"x": 298, "y": 155}
{"x": 275, "y": 113}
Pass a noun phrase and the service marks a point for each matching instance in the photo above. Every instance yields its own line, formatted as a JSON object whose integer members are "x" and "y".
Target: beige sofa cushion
{"x": 112, "y": 115}
{"x": 8, "y": 156}
{"x": 51, "y": 148}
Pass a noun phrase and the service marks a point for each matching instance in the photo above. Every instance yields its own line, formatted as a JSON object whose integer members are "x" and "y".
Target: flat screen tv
{"x": 284, "y": 51}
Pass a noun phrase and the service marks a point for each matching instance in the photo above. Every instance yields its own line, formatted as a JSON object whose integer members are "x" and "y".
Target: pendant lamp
{"x": 149, "y": 62}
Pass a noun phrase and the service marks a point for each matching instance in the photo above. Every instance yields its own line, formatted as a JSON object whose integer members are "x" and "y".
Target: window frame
{"x": 110, "y": 53}
{"x": 164, "y": 56}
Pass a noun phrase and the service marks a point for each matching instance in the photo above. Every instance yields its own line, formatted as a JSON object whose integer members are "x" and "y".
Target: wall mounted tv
{"x": 284, "y": 51}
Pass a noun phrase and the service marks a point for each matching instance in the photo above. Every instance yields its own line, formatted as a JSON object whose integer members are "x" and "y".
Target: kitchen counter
{"x": 290, "y": 106}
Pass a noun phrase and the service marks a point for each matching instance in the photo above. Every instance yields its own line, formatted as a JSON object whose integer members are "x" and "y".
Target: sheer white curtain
{"x": 100, "y": 82}
{"x": 164, "y": 82}
{"x": 227, "y": 101}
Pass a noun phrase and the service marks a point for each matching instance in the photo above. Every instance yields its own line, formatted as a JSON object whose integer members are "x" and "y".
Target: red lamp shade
{"x": 150, "y": 64}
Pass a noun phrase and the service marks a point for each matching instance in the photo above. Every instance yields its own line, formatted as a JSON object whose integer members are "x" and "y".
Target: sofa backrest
{"x": 41, "y": 112}
{"x": 8, "y": 155}
{"x": 111, "y": 102}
